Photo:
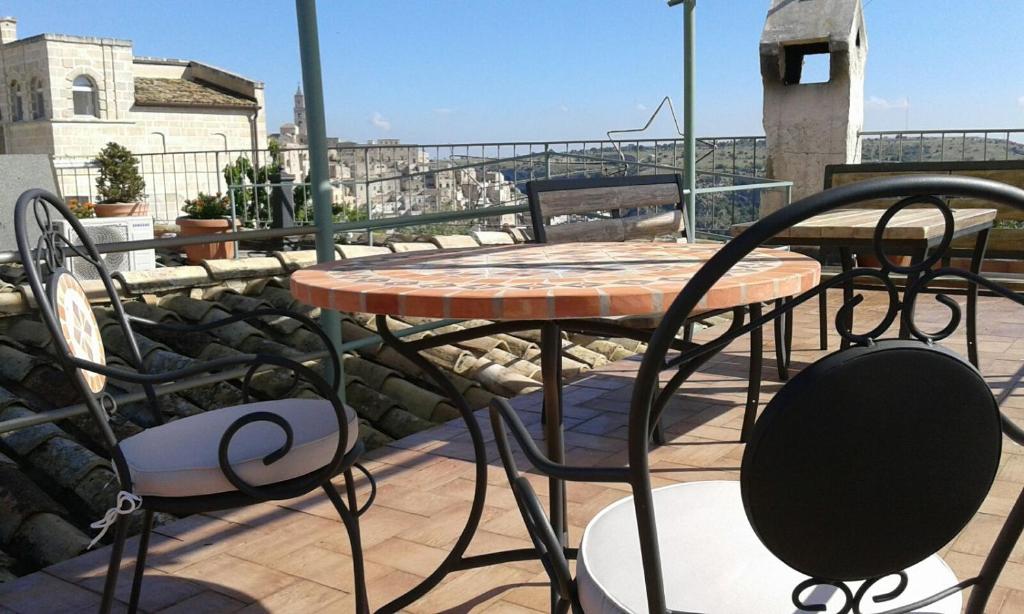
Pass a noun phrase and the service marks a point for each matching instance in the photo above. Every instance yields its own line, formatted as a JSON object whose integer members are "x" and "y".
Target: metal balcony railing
{"x": 382, "y": 180}
{"x": 942, "y": 145}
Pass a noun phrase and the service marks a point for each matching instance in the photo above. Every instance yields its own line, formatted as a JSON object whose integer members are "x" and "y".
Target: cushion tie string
{"x": 126, "y": 504}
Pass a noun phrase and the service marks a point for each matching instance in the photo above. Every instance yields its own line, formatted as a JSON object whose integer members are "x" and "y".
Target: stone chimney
{"x": 810, "y": 125}
{"x": 8, "y": 30}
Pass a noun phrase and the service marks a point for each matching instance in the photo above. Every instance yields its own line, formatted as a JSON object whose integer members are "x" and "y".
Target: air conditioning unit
{"x": 110, "y": 230}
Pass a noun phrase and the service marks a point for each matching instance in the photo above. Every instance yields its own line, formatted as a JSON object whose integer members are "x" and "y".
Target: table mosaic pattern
{"x": 546, "y": 281}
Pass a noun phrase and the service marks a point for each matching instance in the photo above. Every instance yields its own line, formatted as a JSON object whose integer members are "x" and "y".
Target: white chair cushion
{"x": 713, "y": 562}
{"x": 179, "y": 459}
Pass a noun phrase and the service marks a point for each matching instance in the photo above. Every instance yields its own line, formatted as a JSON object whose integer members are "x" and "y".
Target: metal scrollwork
{"x": 852, "y": 601}
{"x": 901, "y": 586}
{"x": 52, "y": 246}
{"x": 107, "y": 402}
{"x": 800, "y": 604}
{"x": 929, "y": 261}
{"x": 844, "y": 315}
{"x": 919, "y": 275}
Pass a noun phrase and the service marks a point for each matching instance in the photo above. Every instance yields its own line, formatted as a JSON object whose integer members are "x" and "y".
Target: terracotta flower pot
{"x": 199, "y": 252}
{"x": 121, "y": 209}
{"x": 870, "y": 260}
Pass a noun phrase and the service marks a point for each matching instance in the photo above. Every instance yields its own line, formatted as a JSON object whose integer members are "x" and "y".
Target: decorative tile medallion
{"x": 77, "y": 322}
{"x": 546, "y": 281}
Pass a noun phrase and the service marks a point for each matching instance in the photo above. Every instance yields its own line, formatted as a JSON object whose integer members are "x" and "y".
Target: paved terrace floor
{"x": 293, "y": 556}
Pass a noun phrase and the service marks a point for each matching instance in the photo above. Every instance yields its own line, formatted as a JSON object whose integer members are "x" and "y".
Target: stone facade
{"x": 811, "y": 125}
{"x": 39, "y": 73}
{"x": 149, "y": 105}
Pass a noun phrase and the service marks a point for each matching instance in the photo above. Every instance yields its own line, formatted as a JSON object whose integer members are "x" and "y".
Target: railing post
{"x": 689, "y": 98}
{"x": 309, "y": 51}
{"x": 234, "y": 217}
{"x": 547, "y": 161}
{"x": 366, "y": 190}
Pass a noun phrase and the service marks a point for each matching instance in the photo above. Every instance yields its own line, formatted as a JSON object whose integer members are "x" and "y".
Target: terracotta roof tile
{"x": 151, "y": 91}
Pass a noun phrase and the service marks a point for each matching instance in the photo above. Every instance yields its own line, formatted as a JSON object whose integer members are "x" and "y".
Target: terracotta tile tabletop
{"x": 546, "y": 281}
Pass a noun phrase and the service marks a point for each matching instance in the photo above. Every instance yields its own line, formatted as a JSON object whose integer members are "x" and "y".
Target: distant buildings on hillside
{"x": 388, "y": 177}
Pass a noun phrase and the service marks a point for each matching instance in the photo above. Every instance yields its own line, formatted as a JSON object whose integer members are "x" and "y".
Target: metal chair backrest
{"x": 64, "y": 306}
{"x": 606, "y": 208}
{"x": 874, "y": 457}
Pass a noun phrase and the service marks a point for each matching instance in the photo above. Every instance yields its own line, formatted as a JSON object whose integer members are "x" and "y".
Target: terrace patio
{"x": 292, "y": 556}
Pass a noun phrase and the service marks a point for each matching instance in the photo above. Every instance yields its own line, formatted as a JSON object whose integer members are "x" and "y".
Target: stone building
{"x": 386, "y": 162}
{"x": 70, "y": 95}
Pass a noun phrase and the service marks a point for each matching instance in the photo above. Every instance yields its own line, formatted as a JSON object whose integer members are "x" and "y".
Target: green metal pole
{"x": 689, "y": 137}
{"x": 316, "y": 128}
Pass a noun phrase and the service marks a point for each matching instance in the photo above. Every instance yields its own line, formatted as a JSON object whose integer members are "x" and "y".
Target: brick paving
{"x": 293, "y": 556}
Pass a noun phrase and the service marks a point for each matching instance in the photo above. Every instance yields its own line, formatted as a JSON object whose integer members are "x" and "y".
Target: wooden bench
{"x": 1004, "y": 241}
{"x": 606, "y": 208}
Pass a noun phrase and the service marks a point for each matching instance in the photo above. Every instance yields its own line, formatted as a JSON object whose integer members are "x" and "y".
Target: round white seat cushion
{"x": 180, "y": 458}
{"x": 713, "y": 562}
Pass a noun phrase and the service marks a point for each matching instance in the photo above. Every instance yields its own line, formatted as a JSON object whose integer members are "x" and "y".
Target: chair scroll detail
{"x": 257, "y": 451}
{"x": 860, "y": 469}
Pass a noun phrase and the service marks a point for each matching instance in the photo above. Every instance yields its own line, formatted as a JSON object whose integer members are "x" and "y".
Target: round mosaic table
{"x": 533, "y": 286}
{"x": 545, "y": 281}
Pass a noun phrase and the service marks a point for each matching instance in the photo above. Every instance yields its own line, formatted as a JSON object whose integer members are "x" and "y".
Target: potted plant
{"x": 204, "y": 215}
{"x": 869, "y": 259}
{"x": 120, "y": 186}
{"x": 81, "y": 209}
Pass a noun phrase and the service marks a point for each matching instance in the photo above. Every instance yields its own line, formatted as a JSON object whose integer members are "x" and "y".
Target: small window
{"x": 83, "y": 90}
{"x": 807, "y": 63}
{"x": 38, "y": 99}
{"x": 17, "y": 102}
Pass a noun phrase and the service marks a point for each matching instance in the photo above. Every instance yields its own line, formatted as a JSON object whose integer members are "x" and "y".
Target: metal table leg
{"x": 788, "y": 321}
{"x": 846, "y": 259}
{"x": 823, "y": 320}
{"x": 551, "y": 370}
{"x": 754, "y": 383}
{"x": 977, "y": 258}
{"x": 782, "y": 341}
{"x": 456, "y": 559}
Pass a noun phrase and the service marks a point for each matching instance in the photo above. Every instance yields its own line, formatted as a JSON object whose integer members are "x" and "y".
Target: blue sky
{"x": 475, "y": 70}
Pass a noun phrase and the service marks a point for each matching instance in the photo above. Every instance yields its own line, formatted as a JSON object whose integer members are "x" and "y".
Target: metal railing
{"x": 379, "y": 179}
{"x": 371, "y": 180}
{"x": 942, "y": 145}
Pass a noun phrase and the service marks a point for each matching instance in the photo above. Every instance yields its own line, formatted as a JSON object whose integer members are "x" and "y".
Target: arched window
{"x": 38, "y": 99}
{"x": 17, "y": 102}
{"x": 83, "y": 90}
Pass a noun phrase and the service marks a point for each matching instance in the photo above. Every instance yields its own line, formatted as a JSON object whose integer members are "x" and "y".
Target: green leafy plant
{"x": 207, "y": 206}
{"x": 250, "y": 184}
{"x": 119, "y": 180}
{"x": 349, "y": 214}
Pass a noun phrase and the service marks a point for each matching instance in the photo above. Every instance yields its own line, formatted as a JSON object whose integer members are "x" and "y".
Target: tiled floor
{"x": 293, "y": 556}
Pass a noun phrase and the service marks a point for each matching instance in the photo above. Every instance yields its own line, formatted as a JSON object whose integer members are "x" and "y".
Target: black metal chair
{"x": 862, "y": 467}
{"x": 224, "y": 458}
{"x": 617, "y": 209}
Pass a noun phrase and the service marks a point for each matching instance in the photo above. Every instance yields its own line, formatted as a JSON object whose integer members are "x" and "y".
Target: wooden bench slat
{"x": 589, "y": 200}
{"x": 618, "y": 229}
{"x": 859, "y": 224}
